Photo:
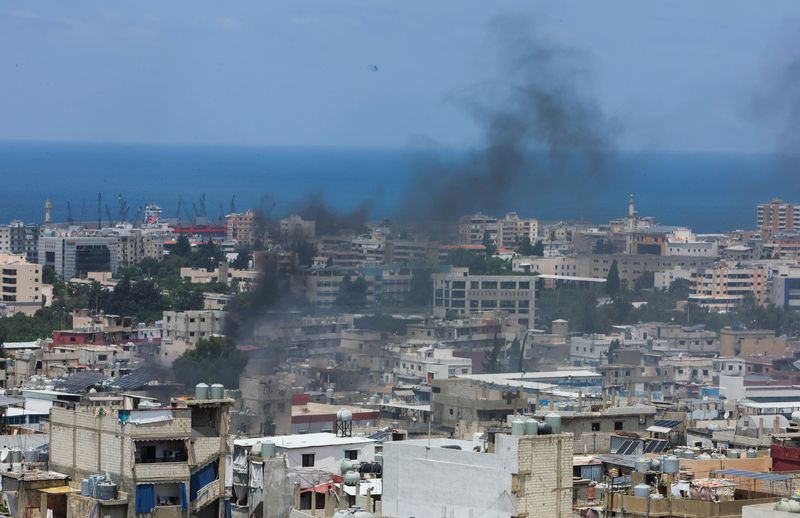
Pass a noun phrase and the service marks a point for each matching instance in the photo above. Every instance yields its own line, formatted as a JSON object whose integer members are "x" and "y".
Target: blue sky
{"x": 677, "y": 75}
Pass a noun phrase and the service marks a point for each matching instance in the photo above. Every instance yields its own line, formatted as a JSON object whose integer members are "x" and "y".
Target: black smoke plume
{"x": 329, "y": 220}
{"x": 539, "y": 128}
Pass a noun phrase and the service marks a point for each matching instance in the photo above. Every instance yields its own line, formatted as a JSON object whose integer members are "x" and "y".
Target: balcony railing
{"x": 206, "y": 495}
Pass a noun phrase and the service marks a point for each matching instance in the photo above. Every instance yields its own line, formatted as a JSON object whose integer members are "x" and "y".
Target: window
{"x": 308, "y": 460}
{"x": 489, "y": 285}
{"x": 351, "y": 454}
{"x": 508, "y": 285}
{"x": 595, "y": 427}
{"x": 617, "y": 425}
{"x": 451, "y": 411}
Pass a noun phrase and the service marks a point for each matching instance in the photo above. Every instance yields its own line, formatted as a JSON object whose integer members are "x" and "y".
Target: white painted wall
{"x": 327, "y": 458}
{"x": 423, "y": 482}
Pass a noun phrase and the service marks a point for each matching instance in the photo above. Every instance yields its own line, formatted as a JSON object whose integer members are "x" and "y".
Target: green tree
{"x": 213, "y": 360}
{"x": 488, "y": 243}
{"x": 524, "y": 247}
{"x": 612, "y": 281}
{"x": 538, "y": 248}
{"x": 242, "y": 261}
{"x": 182, "y": 246}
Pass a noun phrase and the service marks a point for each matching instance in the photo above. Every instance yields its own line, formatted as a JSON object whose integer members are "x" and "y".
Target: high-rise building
{"x": 776, "y": 216}
{"x": 18, "y": 238}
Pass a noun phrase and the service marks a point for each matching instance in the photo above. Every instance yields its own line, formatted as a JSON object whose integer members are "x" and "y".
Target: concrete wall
{"x": 425, "y": 482}
{"x": 544, "y": 480}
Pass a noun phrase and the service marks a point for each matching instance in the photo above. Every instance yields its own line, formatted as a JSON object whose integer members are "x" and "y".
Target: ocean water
{"x": 708, "y": 192}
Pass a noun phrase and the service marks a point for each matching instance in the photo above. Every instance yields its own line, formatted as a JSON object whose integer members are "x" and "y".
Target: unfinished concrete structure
{"x": 169, "y": 460}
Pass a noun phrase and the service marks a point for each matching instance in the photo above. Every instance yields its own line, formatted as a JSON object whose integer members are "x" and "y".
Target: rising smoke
{"x": 539, "y": 127}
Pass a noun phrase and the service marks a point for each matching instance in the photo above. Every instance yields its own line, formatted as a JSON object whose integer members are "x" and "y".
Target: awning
{"x": 659, "y": 429}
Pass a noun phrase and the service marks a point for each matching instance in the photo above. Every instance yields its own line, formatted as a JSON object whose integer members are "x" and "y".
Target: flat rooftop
{"x": 312, "y": 408}
{"x": 308, "y": 440}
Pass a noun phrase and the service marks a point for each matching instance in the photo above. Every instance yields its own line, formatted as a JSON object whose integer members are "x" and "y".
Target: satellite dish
{"x": 727, "y": 415}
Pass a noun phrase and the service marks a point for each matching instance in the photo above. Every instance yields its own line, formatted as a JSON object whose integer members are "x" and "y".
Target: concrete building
{"x": 244, "y": 227}
{"x": 632, "y": 267}
{"x": 786, "y": 287}
{"x": 20, "y": 286}
{"x": 193, "y": 325}
{"x": 18, "y": 238}
{"x": 313, "y": 452}
{"x": 425, "y": 364}
{"x": 726, "y": 284}
{"x": 165, "y": 459}
{"x": 505, "y": 233}
{"x": 75, "y": 256}
{"x": 662, "y": 280}
{"x": 744, "y": 343}
{"x": 519, "y": 476}
{"x": 776, "y": 216}
{"x": 265, "y": 407}
{"x": 295, "y": 228}
{"x": 243, "y": 280}
{"x": 457, "y": 292}
{"x": 320, "y": 286}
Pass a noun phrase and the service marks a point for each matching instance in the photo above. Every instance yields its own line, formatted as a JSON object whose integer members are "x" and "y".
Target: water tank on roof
{"x": 106, "y": 490}
{"x": 545, "y": 429}
{"x": 85, "y": 487}
{"x": 655, "y": 464}
{"x": 267, "y": 449}
{"x": 348, "y": 465}
{"x": 554, "y": 420}
{"x": 670, "y": 464}
{"x": 362, "y": 514}
{"x": 531, "y": 427}
{"x": 641, "y": 490}
{"x": 351, "y": 478}
{"x": 344, "y": 415}
{"x": 201, "y": 391}
{"x": 343, "y": 514}
{"x": 217, "y": 391}
{"x": 517, "y": 427}
{"x": 733, "y": 454}
{"x": 641, "y": 465}
{"x": 15, "y": 456}
{"x": 688, "y": 454}
{"x": 752, "y": 453}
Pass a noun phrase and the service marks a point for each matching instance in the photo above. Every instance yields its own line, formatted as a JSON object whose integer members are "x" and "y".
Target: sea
{"x": 707, "y": 192}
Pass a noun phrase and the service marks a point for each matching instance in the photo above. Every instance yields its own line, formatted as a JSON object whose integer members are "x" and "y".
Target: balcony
{"x": 159, "y": 471}
{"x": 206, "y": 495}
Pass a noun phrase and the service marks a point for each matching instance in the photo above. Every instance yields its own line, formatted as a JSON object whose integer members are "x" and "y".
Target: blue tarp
{"x": 145, "y": 498}
{"x": 184, "y": 503}
{"x": 202, "y": 478}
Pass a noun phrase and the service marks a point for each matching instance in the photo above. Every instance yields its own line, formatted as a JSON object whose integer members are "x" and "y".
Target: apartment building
{"x": 295, "y": 228}
{"x": 244, "y": 227}
{"x": 20, "y": 286}
{"x": 777, "y": 216}
{"x": 265, "y": 407}
{"x": 506, "y": 232}
{"x": 632, "y": 267}
{"x": 243, "y": 280}
{"x": 169, "y": 461}
{"x": 457, "y": 292}
{"x": 191, "y": 326}
{"x": 76, "y": 256}
{"x": 518, "y": 476}
{"x": 321, "y": 285}
{"x": 19, "y": 238}
{"x": 134, "y": 247}
{"x": 423, "y": 365}
{"x": 726, "y": 284}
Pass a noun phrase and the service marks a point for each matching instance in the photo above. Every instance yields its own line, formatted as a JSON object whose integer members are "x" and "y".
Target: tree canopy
{"x": 213, "y": 360}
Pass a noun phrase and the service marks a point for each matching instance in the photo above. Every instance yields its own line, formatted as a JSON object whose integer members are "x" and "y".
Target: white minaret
{"x": 48, "y": 212}
{"x": 631, "y": 207}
